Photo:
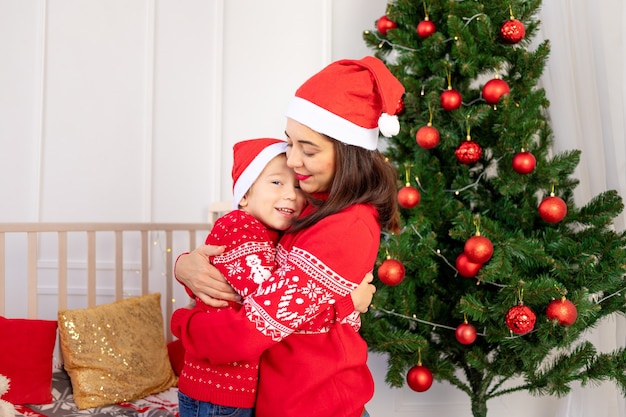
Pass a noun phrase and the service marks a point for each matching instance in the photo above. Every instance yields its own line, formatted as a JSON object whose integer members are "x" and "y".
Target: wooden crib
{"x": 50, "y": 267}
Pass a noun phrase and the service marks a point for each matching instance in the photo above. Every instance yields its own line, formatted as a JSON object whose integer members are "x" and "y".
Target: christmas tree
{"x": 496, "y": 273}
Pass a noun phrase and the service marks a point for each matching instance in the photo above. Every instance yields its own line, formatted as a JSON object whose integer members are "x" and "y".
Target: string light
{"x": 157, "y": 242}
{"x": 435, "y": 325}
{"x": 469, "y": 19}
{"x": 164, "y": 252}
{"x": 437, "y": 252}
{"x": 616, "y": 293}
{"x": 384, "y": 41}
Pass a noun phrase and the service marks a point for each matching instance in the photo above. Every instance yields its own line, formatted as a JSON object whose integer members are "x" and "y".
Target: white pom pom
{"x": 5, "y": 383}
{"x": 389, "y": 125}
{"x": 7, "y": 409}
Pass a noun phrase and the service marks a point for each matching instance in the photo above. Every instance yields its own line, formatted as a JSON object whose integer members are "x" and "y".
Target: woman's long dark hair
{"x": 361, "y": 177}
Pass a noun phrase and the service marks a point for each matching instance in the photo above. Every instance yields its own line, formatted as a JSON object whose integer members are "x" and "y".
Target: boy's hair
{"x": 362, "y": 177}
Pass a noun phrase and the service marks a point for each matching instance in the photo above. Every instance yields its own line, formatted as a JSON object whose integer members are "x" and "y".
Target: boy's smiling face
{"x": 275, "y": 198}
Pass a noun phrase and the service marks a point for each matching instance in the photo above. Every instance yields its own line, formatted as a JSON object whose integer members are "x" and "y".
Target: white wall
{"x": 126, "y": 110}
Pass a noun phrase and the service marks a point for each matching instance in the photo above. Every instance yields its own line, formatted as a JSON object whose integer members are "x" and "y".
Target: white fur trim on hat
{"x": 323, "y": 121}
{"x": 254, "y": 169}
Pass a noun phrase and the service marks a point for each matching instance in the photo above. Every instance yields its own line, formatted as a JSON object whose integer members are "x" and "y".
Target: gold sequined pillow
{"x": 116, "y": 352}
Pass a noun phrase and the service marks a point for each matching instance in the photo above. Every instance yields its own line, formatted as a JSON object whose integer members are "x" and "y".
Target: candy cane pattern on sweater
{"x": 300, "y": 304}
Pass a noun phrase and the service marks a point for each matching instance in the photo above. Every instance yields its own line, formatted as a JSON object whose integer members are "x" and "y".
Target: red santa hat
{"x": 350, "y": 101}
{"x": 249, "y": 159}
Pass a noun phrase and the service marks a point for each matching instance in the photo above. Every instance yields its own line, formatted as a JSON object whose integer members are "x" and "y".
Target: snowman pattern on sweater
{"x": 258, "y": 272}
{"x": 249, "y": 256}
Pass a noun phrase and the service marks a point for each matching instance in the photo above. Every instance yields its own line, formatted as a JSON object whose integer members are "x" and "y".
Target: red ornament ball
{"x": 520, "y": 319}
{"x": 468, "y": 152}
{"x": 391, "y": 272}
{"x": 384, "y": 24}
{"x": 408, "y": 197}
{"x": 400, "y": 107}
{"x": 494, "y": 89}
{"x": 450, "y": 100}
{"x": 465, "y": 333}
{"x": 512, "y": 31}
{"x": 427, "y": 137}
{"x": 524, "y": 162}
{"x": 419, "y": 378}
{"x": 562, "y": 310}
{"x": 467, "y": 268}
{"x": 478, "y": 249}
{"x": 425, "y": 28}
{"x": 552, "y": 209}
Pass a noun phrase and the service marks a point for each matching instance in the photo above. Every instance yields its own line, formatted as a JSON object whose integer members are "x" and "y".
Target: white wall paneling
{"x": 188, "y": 108}
{"x": 22, "y": 50}
{"x": 94, "y": 111}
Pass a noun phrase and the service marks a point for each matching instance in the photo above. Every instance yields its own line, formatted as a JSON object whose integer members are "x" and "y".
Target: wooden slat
{"x": 91, "y": 268}
{"x": 169, "y": 281}
{"x": 119, "y": 264}
{"x": 62, "y": 264}
{"x": 192, "y": 239}
{"x": 31, "y": 274}
{"x": 145, "y": 265}
{"x": 2, "y": 274}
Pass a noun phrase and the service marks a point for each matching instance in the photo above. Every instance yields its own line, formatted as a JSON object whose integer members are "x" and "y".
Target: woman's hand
{"x": 362, "y": 295}
{"x": 203, "y": 279}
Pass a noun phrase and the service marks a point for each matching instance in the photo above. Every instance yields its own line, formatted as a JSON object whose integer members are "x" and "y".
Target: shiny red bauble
{"x": 425, "y": 28}
{"x": 562, "y": 310}
{"x": 552, "y": 209}
{"x": 468, "y": 152}
{"x": 427, "y": 137}
{"x": 384, "y": 24}
{"x": 494, "y": 89}
{"x": 520, "y": 319}
{"x": 467, "y": 268}
{"x": 400, "y": 107}
{"x": 450, "y": 100}
{"x": 512, "y": 31}
{"x": 391, "y": 272}
{"x": 408, "y": 197}
{"x": 465, "y": 333}
{"x": 419, "y": 378}
{"x": 524, "y": 162}
{"x": 478, "y": 249}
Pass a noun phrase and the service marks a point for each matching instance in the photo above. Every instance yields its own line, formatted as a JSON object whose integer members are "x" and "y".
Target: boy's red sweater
{"x": 247, "y": 260}
{"x": 312, "y": 364}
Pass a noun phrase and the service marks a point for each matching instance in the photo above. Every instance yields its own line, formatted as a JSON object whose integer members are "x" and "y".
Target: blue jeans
{"x": 188, "y": 407}
{"x": 365, "y": 414}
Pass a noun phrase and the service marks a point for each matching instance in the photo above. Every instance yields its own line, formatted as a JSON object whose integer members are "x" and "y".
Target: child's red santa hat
{"x": 249, "y": 159}
{"x": 350, "y": 101}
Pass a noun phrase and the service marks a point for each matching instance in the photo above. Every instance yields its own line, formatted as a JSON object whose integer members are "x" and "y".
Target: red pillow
{"x": 176, "y": 352}
{"x": 26, "y": 350}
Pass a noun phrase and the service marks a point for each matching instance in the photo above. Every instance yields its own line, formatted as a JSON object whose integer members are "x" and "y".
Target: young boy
{"x": 266, "y": 198}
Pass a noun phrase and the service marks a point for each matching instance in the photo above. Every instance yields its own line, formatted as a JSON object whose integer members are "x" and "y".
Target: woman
{"x": 314, "y": 361}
